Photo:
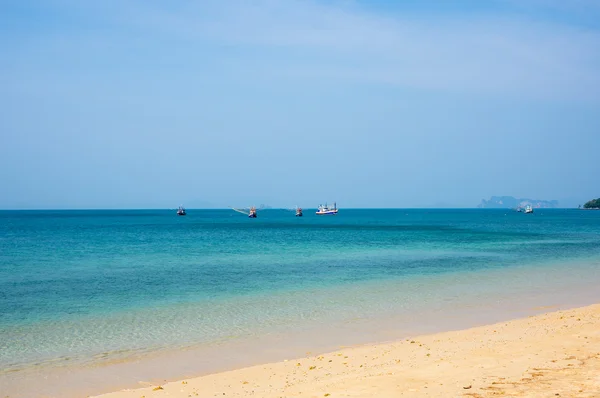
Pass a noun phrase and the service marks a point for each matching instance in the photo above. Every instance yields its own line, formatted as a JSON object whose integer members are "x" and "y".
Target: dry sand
{"x": 551, "y": 355}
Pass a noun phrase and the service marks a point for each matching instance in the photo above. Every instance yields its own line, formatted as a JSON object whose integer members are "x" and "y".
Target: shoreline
{"x": 169, "y": 366}
{"x": 556, "y": 352}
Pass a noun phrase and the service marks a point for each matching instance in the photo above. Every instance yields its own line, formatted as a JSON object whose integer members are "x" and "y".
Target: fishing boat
{"x": 252, "y": 213}
{"x": 298, "y": 212}
{"x": 528, "y": 209}
{"x": 326, "y": 210}
{"x": 181, "y": 211}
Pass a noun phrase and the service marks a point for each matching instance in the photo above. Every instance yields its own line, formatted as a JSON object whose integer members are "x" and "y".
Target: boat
{"x": 519, "y": 210}
{"x": 298, "y": 212}
{"x": 252, "y": 213}
{"x": 326, "y": 210}
{"x": 528, "y": 209}
{"x": 181, "y": 211}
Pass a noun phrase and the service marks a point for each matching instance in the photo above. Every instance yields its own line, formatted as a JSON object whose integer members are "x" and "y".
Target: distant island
{"x": 510, "y": 202}
{"x": 592, "y": 204}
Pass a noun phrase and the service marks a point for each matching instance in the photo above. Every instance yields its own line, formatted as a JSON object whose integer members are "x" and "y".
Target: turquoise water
{"x": 81, "y": 286}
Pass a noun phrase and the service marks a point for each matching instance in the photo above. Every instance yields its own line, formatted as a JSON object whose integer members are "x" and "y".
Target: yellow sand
{"x": 551, "y": 355}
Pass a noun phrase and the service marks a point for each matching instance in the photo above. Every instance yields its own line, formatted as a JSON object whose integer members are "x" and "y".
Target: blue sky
{"x": 136, "y": 104}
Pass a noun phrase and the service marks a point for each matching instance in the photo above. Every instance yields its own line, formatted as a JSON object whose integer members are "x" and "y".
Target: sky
{"x": 216, "y": 103}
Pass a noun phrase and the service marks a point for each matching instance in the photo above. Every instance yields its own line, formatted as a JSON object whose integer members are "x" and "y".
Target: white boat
{"x": 326, "y": 210}
{"x": 181, "y": 211}
{"x": 528, "y": 209}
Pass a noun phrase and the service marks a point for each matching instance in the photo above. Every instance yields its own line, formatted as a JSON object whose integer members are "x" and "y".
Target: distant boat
{"x": 528, "y": 209}
{"x": 252, "y": 213}
{"x": 326, "y": 210}
{"x": 298, "y": 212}
{"x": 519, "y": 210}
{"x": 181, "y": 211}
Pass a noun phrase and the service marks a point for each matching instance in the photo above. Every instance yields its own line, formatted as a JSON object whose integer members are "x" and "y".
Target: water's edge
{"x": 174, "y": 364}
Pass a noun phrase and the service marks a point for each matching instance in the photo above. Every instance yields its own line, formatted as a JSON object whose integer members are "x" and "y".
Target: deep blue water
{"x": 69, "y": 277}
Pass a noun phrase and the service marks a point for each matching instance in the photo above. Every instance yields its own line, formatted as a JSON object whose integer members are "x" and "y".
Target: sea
{"x": 98, "y": 300}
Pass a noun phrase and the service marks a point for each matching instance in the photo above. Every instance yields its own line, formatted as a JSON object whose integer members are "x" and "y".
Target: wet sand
{"x": 548, "y": 355}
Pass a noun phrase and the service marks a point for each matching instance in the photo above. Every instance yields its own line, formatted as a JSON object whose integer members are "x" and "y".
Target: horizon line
{"x": 275, "y": 208}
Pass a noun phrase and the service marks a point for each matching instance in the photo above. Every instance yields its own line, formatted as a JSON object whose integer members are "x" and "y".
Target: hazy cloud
{"x": 505, "y": 54}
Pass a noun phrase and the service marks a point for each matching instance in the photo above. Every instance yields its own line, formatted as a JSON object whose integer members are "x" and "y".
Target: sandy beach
{"x": 548, "y": 355}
